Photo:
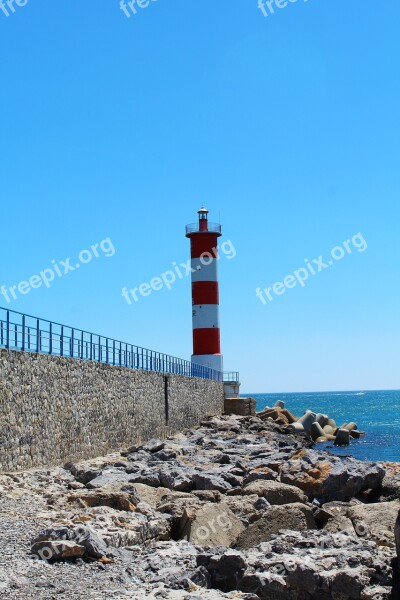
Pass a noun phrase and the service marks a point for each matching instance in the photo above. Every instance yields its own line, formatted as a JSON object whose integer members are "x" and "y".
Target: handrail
{"x": 211, "y": 228}
{"x": 19, "y": 331}
{"x": 231, "y": 376}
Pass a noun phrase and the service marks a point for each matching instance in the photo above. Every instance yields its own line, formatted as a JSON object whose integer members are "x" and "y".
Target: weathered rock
{"x": 296, "y": 517}
{"x": 210, "y": 525}
{"x": 57, "y": 550}
{"x": 208, "y": 481}
{"x": 330, "y": 477}
{"x": 376, "y": 521}
{"x": 275, "y": 492}
{"x": 85, "y": 537}
{"x": 120, "y": 500}
{"x": 108, "y": 477}
{"x": 153, "y": 446}
{"x": 177, "y": 479}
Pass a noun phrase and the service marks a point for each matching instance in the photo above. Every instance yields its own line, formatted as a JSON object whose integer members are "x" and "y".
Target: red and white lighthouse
{"x": 205, "y": 291}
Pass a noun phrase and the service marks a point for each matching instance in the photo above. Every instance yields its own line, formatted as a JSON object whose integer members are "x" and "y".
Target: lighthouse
{"x": 205, "y": 291}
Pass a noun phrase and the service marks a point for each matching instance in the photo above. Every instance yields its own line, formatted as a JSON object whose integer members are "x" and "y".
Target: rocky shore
{"x": 240, "y": 507}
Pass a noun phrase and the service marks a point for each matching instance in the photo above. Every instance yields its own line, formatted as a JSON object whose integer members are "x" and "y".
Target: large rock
{"x": 296, "y": 517}
{"x": 85, "y": 537}
{"x": 330, "y": 477}
{"x": 210, "y": 525}
{"x": 275, "y": 492}
{"x": 208, "y": 481}
{"x": 376, "y": 521}
{"x": 57, "y": 550}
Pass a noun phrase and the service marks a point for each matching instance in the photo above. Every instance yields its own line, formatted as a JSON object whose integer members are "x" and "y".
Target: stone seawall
{"x": 55, "y": 409}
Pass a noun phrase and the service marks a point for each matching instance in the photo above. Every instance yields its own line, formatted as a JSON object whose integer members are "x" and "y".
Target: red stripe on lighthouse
{"x": 206, "y": 341}
{"x": 204, "y": 243}
{"x": 205, "y": 292}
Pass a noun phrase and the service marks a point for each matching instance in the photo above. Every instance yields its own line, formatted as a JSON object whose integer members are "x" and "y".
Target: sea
{"x": 375, "y": 412}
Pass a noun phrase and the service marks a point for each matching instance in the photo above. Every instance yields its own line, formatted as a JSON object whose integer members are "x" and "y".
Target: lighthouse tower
{"x": 205, "y": 292}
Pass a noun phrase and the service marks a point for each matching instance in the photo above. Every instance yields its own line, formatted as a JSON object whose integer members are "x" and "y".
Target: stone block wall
{"x": 55, "y": 409}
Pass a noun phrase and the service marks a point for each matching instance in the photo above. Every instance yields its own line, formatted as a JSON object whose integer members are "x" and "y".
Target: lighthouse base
{"x": 213, "y": 361}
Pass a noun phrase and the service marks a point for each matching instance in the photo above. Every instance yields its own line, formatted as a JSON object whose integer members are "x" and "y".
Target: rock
{"x": 176, "y": 479}
{"x": 296, "y": 517}
{"x": 153, "y": 446}
{"x": 329, "y": 477}
{"x": 108, "y": 477}
{"x": 210, "y": 525}
{"x": 119, "y": 500}
{"x": 342, "y": 437}
{"x": 93, "y": 545}
{"x": 340, "y": 524}
{"x": 260, "y": 473}
{"x": 275, "y": 492}
{"x": 57, "y": 550}
{"x": 226, "y": 569}
{"x": 376, "y": 521}
{"x": 207, "y": 481}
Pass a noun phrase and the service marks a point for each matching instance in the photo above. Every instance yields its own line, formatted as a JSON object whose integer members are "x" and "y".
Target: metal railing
{"x": 212, "y": 228}
{"x": 231, "y": 376}
{"x": 32, "y": 334}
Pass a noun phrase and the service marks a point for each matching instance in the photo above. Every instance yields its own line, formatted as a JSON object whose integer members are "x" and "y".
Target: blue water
{"x": 376, "y": 413}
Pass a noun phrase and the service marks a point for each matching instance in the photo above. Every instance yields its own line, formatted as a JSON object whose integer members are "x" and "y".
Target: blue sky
{"x": 286, "y": 126}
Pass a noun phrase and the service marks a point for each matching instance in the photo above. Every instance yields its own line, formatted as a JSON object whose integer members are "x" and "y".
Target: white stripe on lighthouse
{"x": 205, "y": 316}
{"x": 202, "y": 271}
{"x": 213, "y": 361}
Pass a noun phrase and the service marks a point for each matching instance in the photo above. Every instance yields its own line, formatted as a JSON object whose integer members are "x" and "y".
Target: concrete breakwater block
{"x": 296, "y": 427}
{"x": 279, "y": 404}
{"x": 322, "y": 419}
{"x": 342, "y": 437}
{"x": 316, "y": 431}
{"x": 307, "y": 420}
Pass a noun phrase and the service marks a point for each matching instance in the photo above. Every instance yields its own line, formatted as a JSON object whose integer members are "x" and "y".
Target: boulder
{"x": 330, "y": 477}
{"x": 108, "y": 477}
{"x": 208, "y": 481}
{"x": 175, "y": 478}
{"x": 376, "y": 521}
{"x": 93, "y": 545}
{"x": 57, "y": 550}
{"x": 210, "y": 525}
{"x": 275, "y": 492}
{"x": 296, "y": 517}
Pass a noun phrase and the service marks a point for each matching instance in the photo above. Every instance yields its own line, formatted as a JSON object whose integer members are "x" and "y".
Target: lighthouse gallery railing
{"x": 23, "y": 332}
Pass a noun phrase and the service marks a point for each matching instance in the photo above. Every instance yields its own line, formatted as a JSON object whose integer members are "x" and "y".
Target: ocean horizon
{"x": 377, "y": 412}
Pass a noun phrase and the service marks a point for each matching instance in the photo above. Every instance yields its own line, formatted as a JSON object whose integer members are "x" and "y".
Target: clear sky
{"x": 116, "y": 128}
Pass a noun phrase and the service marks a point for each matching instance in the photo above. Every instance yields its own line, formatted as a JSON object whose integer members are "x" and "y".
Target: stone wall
{"x": 55, "y": 409}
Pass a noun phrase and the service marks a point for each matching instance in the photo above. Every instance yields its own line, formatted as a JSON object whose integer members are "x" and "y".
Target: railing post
{"x": 51, "y": 338}
{"x": 107, "y": 350}
{"x": 100, "y": 349}
{"x": 82, "y": 345}
{"x": 8, "y": 331}
{"x": 62, "y": 341}
{"x": 23, "y": 334}
{"x": 37, "y": 335}
{"x": 72, "y": 343}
